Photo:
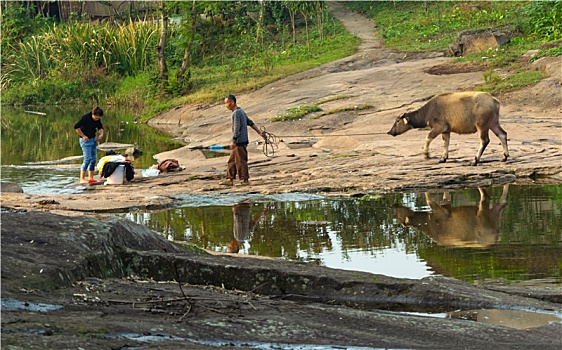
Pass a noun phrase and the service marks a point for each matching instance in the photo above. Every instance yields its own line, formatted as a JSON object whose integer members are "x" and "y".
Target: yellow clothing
{"x": 106, "y": 159}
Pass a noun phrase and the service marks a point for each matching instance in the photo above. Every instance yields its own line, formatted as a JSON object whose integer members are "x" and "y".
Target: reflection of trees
{"x": 291, "y": 229}
{"x": 530, "y": 242}
{"x": 283, "y": 234}
{"x": 30, "y": 138}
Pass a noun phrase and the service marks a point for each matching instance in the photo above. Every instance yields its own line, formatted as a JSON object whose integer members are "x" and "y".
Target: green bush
{"x": 496, "y": 85}
{"x": 544, "y": 19}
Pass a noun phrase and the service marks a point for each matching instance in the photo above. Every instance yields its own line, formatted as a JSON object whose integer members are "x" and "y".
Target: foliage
{"x": 122, "y": 49}
{"x": 236, "y": 46}
{"x": 427, "y": 26}
{"x": 430, "y": 26}
{"x": 544, "y": 19}
{"x": 17, "y": 23}
{"x": 552, "y": 50}
{"x": 225, "y": 56}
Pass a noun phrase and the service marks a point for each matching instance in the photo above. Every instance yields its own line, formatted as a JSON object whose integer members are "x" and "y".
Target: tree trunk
{"x": 292, "y": 11}
{"x": 187, "y": 54}
{"x": 162, "y": 67}
{"x": 305, "y": 15}
{"x": 259, "y": 29}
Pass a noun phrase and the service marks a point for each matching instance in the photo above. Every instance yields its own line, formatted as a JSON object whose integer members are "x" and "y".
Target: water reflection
{"x": 242, "y": 225}
{"x": 468, "y": 226}
{"x": 519, "y": 319}
{"x": 508, "y": 318}
{"x": 364, "y": 234}
{"x": 41, "y": 152}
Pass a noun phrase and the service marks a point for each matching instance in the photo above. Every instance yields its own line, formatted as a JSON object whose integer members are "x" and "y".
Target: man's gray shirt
{"x": 240, "y": 123}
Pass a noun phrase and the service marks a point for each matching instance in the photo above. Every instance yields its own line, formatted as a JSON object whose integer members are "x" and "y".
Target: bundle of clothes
{"x": 169, "y": 165}
{"x": 108, "y": 164}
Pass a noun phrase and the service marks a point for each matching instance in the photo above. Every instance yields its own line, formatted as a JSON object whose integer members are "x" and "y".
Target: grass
{"x": 296, "y": 113}
{"x": 515, "y": 81}
{"x": 299, "y": 112}
{"x": 115, "y": 65}
{"x": 334, "y": 98}
{"x": 344, "y": 109}
{"x": 54, "y": 67}
{"x": 211, "y": 83}
{"x": 433, "y": 25}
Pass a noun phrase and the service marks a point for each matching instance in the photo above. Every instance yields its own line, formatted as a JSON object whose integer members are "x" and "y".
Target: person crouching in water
{"x": 238, "y": 161}
{"x": 90, "y": 129}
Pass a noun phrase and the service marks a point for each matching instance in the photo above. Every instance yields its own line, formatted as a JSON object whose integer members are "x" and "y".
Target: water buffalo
{"x": 464, "y": 226}
{"x": 458, "y": 112}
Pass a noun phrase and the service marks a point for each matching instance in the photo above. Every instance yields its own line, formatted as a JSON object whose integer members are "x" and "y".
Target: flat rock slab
{"x": 112, "y": 146}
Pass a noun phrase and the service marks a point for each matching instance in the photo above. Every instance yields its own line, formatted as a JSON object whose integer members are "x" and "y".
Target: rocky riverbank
{"x": 75, "y": 277}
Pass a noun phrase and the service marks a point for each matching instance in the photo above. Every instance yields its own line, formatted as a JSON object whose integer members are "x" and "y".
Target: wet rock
{"x": 10, "y": 187}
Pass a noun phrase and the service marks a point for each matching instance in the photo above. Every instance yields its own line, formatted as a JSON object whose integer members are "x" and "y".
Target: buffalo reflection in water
{"x": 471, "y": 226}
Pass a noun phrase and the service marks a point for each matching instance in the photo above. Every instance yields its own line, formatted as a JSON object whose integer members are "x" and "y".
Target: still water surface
{"x": 399, "y": 234}
{"x": 516, "y": 236}
{"x": 29, "y": 138}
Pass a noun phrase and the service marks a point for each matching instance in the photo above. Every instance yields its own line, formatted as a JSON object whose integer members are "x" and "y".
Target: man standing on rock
{"x": 238, "y": 160}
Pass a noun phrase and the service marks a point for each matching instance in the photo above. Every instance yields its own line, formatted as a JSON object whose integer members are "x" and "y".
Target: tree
{"x": 320, "y": 7}
{"x": 293, "y": 8}
{"x": 305, "y": 8}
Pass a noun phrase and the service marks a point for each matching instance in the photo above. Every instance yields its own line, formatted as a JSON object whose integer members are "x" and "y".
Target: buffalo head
{"x": 401, "y": 125}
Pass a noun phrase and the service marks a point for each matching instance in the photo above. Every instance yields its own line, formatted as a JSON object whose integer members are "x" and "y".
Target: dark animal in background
{"x": 467, "y": 226}
{"x": 458, "y": 112}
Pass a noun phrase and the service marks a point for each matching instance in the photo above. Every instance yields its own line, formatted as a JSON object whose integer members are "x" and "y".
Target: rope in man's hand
{"x": 271, "y": 143}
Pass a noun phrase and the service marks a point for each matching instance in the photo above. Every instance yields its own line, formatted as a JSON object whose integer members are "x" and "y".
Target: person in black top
{"x": 90, "y": 129}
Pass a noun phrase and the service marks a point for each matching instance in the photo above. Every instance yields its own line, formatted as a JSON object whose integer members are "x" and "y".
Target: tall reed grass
{"x": 124, "y": 49}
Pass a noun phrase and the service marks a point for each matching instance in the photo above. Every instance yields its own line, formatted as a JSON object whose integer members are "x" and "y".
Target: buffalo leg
{"x": 446, "y": 137}
{"x": 502, "y": 135}
{"x": 502, "y": 203}
{"x": 432, "y": 134}
{"x": 484, "y": 141}
{"x": 484, "y": 204}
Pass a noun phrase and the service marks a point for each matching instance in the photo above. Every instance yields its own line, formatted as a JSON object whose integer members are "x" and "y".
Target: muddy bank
{"x": 112, "y": 278}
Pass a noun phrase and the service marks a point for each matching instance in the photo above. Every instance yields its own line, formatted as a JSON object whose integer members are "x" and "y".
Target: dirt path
{"x": 352, "y": 154}
{"x": 357, "y": 25}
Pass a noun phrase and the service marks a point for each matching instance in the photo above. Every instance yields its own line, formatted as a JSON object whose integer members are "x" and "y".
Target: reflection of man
{"x": 242, "y": 226}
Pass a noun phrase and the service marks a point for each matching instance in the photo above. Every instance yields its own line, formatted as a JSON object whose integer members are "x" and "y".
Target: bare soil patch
{"x": 454, "y": 68}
